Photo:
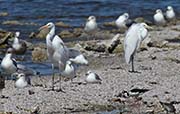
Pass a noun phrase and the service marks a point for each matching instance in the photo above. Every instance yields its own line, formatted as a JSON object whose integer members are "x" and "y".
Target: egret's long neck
{"x": 50, "y": 35}
{"x": 16, "y": 40}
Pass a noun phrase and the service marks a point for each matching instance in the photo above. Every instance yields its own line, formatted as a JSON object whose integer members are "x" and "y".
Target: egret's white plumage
{"x": 91, "y": 25}
{"x": 159, "y": 17}
{"x": 121, "y": 21}
{"x": 92, "y": 77}
{"x": 134, "y": 36}
{"x": 57, "y": 51}
{"x": 18, "y": 45}
{"x": 22, "y": 81}
{"x": 170, "y": 14}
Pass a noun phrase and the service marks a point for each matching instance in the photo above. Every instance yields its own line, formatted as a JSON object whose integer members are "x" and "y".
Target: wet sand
{"x": 158, "y": 72}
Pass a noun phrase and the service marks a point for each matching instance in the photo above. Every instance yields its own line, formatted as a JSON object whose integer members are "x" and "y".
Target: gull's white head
{"x": 169, "y": 8}
{"x": 17, "y": 34}
{"x": 158, "y": 11}
{"x": 126, "y": 15}
{"x": 91, "y": 18}
{"x": 9, "y": 51}
{"x": 88, "y": 72}
{"x": 20, "y": 75}
{"x": 69, "y": 62}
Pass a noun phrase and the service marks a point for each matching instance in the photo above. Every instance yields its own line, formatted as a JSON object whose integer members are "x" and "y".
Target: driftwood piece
{"x": 114, "y": 43}
{"x": 103, "y": 46}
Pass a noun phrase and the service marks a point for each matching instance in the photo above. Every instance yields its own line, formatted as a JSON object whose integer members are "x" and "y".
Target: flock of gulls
{"x": 67, "y": 60}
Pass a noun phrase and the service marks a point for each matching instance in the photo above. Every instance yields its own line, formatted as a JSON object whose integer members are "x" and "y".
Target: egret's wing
{"x": 131, "y": 42}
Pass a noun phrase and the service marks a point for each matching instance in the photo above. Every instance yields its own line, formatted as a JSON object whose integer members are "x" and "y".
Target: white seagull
{"x": 121, "y": 21}
{"x": 69, "y": 71}
{"x": 134, "y": 36}
{"x": 18, "y": 45}
{"x": 10, "y": 66}
{"x": 22, "y": 80}
{"x": 91, "y": 25}
{"x": 92, "y": 77}
{"x": 170, "y": 14}
{"x": 159, "y": 17}
{"x": 77, "y": 57}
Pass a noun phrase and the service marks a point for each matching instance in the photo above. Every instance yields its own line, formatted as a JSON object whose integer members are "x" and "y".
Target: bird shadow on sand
{"x": 134, "y": 72}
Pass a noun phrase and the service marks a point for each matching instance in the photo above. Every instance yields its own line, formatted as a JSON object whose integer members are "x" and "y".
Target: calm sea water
{"x": 75, "y": 12}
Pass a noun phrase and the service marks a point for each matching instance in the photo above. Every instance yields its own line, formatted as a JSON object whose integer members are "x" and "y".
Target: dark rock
{"x": 93, "y": 46}
{"x": 61, "y": 24}
{"x": 109, "y": 24}
{"x": 32, "y": 35}
{"x": 2, "y": 82}
{"x": 31, "y": 92}
{"x": 39, "y": 54}
{"x": 66, "y": 34}
{"x": 113, "y": 44}
{"x": 78, "y": 31}
{"x": 42, "y": 34}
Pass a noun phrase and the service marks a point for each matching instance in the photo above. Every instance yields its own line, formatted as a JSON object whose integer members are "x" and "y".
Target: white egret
{"x": 159, "y": 17}
{"x": 170, "y": 14}
{"x": 57, "y": 51}
{"x": 134, "y": 36}
{"x": 22, "y": 80}
{"x": 93, "y": 77}
{"x": 18, "y": 45}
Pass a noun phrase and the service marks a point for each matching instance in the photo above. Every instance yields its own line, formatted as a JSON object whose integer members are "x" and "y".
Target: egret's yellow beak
{"x": 43, "y": 27}
{"x": 149, "y": 27}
